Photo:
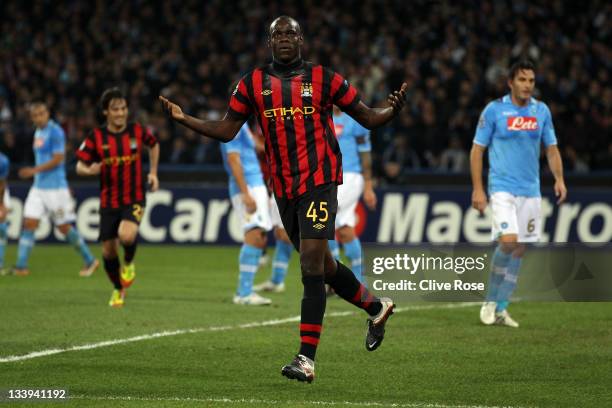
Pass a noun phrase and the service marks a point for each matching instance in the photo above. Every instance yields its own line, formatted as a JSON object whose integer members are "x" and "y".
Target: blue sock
{"x": 282, "y": 254}
{"x": 334, "y": 248}
{"x": 498, "y": 271}
{"x": 508, "y": 285}
{"x": 3, "y": 232}
{"x": 249, "y": 262}
{"x": 352, "y": 250}
{"x": 26, "y": 242}
{"x": 77, "y": 241}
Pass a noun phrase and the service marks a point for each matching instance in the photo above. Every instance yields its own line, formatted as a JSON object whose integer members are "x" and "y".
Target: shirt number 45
{"x": 318, "y": 215}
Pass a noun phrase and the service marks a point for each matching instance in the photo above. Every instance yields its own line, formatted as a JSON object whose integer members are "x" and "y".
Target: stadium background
{"x": 454, "y": 57}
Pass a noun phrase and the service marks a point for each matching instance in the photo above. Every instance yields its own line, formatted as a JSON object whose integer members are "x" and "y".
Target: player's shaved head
{"x": 285, "y": 39}
{"x": 285, "y": 20}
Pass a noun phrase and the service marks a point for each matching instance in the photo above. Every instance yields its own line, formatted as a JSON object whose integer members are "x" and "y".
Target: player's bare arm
{"x": 3, "y": 210}
{"x": 556, "y": 167}
{"x": 222, "y": 130}
{"x": 371, "y": 118}
{"x": 83, "y": 169}
{"x": 479, "y": 197}
{"x": 28, "y": 172}
{"x": 369, "y": 196}
{"x": 233, "y": 160}
{"x": 152, "y": 179}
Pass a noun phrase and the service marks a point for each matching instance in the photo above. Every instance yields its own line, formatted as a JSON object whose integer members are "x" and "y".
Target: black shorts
{"x": 110, "y": 218}
{"x": 311, "y": 215}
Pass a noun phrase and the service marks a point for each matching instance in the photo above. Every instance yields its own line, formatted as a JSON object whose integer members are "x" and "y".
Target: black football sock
{"x": 313, "y": 309}
{"x": 111, "y": 266}
{"x": 346, "y": 285}
{"x": 129, "y": 250}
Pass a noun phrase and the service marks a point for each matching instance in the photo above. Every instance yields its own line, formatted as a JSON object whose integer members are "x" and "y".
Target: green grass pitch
{"x": 434, "y": 355}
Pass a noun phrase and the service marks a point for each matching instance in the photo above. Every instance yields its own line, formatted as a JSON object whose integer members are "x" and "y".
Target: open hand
{"x": 249, "y": 203}
{"x": 153, "y": 181}
{"x": 560, "y": 191}
{"x": 397, "y": 99}
{"x": 479, "y": 201}
{"x": 172, "y": 109}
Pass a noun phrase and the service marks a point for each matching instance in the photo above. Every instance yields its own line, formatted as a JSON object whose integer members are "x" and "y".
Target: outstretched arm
{"x": 222, "y": 130}
{"x": 371, "y": 118}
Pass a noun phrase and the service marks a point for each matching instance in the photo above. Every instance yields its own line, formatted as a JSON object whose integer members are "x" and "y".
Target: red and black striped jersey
{"x": 294, "y": 110}
{"x": 122, "y": 181}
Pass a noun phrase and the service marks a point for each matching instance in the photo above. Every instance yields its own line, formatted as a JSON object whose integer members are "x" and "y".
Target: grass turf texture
{"x": 560, "y": 357}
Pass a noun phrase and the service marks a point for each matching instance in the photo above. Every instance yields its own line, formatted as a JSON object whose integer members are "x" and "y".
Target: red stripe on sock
{"x": 368, "y": 301}
{"x": 310, "y": 327}
{"x": 310, "y": 340}
{"x": 359, "y": 294}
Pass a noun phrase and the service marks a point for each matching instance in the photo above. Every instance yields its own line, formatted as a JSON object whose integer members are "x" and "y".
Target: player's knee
{"x": 127, "y": 237}
{"x": 311, "y": 262}
{"x": 330, "y": 266}
{"x": 508, "y": 243}
{"x": 256, "y": 237}
{"x": 109, "y": 250}
{"x": 281, "y": 235}
{"x": 64, "y": 228}
{"x": 519, "y": 251}
{"x": 30, "y": 224}
{"x": 345, "y": 234}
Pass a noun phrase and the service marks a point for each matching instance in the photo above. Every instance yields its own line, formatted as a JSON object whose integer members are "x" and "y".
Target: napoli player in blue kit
{"x": 354, "y": 141}
{"x": 249, "y": 197}
{"x": 49, "y": 194}
{"x": 513, "y": 128}
{"x": 4, "y": 208}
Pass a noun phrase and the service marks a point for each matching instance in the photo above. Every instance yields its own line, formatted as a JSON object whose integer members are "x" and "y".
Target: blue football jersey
{"x": 4, "y": 166}
{"x": 244, "y": 145}
{"x": 47, "y": 142}
{"x": 348, "y": 130}
{"x": 513, "y": 135}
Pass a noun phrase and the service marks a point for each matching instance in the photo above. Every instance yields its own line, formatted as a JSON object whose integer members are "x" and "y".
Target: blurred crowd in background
{"x": 454, "y": 56}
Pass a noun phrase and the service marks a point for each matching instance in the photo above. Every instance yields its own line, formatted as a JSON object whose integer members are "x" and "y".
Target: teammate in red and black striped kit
{"x": 114, "y": 152}
{"x": 292, "y": 100}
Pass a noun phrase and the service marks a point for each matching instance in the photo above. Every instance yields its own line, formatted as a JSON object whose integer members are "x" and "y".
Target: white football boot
{"x": 487, "y": 313}
{"x": 253, "y": 299}
{"x": 503, "y": 319}
{"x": 269, "y": 286}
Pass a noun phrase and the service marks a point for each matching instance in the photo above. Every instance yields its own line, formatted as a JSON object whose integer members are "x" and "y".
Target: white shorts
{"x": 274, "y": 214}
{"x": 57, "y": 203}
{"x": 516, "y": 215}
{"x": 261, "y": 217}
{"x": 348, "y": 196}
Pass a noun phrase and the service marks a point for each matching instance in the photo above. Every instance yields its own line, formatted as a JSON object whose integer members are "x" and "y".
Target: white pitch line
{"x": 275, "y": 322}
{"x": 243, "y": 401}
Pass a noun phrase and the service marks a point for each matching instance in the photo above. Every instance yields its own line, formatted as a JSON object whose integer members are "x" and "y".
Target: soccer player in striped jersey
{"x": 354, "y": 141}
{"x": 249, "y": 197}
{"x": 292, "y": 100}
{"x": 513, "y": 128}
{"x": 114, "y": 152}
{"x": 49, "y": 194}
{"x": 4, "y": 208}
